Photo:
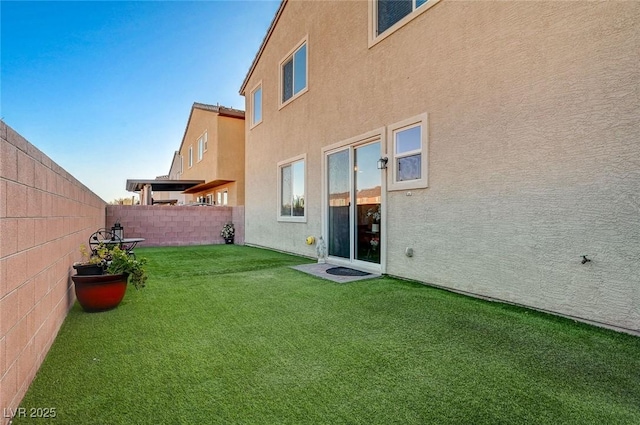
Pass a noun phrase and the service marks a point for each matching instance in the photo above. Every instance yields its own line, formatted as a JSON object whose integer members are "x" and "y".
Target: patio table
{"x": 125, "y": 243}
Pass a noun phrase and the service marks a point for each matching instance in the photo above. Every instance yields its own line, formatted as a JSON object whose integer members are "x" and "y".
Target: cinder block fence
{"x": 45, "y": 214}
{"x": 176, "y": 225}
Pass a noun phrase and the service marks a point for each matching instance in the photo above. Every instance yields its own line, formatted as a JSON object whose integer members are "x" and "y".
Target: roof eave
{"x": 262, "y": 46}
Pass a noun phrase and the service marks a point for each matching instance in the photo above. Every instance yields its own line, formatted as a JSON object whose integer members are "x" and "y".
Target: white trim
{"x": 252, "y": 106}
{"x": 423, "y": 182}
{"x": 221, "y": 199}
{"x": 373, "y": 20}
{"x": 201, "y": 142}
{"x": 281, "y": 104}
{"x": 190, "y": 157}
{"x": 280, "y": 165}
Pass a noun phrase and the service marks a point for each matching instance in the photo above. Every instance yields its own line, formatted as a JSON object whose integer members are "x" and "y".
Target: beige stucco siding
{"x": 200, "y": 122}
{"x": 230, "y": 157}
{"x": 534, "y": 144}
{"x": 222, "y": 161}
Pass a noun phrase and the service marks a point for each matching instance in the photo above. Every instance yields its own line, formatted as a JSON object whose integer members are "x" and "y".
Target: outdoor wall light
{"x": 382, "y": 163}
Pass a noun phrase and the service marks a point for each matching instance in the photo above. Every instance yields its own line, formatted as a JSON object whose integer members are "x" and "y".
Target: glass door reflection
{"x": 367, "y": 180}
{"x": 339, "y": 216}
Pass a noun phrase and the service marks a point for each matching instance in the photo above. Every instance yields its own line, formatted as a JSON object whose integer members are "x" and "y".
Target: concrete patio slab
{"x": 320, "y": 270}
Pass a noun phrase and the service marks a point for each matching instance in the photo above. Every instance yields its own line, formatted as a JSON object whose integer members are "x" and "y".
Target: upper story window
{"x": 293, "y": 73}
{"x": 389, "y": 15}
{"x": 256, "y": 105}
{"x": 408, "y": 148}
{"x": 291, "y": 190}
{"x": 190, "y": 157}
{"x": 202, "y": 146}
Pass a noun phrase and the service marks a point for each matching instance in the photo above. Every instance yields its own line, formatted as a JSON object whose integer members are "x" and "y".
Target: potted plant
{"x": 92, "y": 264}
{"x": 228, "y": 232}
{"x": 375, "y": 214}
{"x": 105, "y": 290}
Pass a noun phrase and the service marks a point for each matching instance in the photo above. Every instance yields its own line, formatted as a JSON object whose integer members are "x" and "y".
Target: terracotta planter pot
{"x": 100, "y": 292}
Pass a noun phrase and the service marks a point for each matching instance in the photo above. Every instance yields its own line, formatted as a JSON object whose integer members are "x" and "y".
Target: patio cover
{"x": 162, "y": 185}
{"x": 208, "y": 185}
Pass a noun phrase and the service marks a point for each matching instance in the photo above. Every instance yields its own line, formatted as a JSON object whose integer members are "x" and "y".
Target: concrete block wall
{"x": 45, "y": 214}
{"x": 175, "y": 225}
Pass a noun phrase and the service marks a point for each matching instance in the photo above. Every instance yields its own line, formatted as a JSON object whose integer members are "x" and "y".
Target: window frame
{"x": 375, "y": 38}
{"x": 282, "y": 164}
{"x": 253, "y": 122}
{"x": 423, "y": 182}
{"x": 190, "y": 156}
{"x": 201, "y": 146}
{"x": 222, "y": 197}
{"x": 290, "y": 55}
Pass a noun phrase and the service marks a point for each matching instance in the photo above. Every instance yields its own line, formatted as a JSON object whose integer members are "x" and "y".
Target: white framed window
{"x": 190, "y": 158}
{"x": 210, "y": 199}
{"x": 294, "y": 73}
{"x": 408, "y": 150}
{"x": 223, "y": 197}
{"x": 387, "y": 16}
{"x": 256, "y": 105}
{"x": 202, "y": 145}
{"x": 292, "y": 189}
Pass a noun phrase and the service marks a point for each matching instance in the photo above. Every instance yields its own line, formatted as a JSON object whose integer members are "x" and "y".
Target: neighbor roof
{"x": 220, "y": 110}
{"x": 162, "y": 185}
{"x": 262, "y": 46}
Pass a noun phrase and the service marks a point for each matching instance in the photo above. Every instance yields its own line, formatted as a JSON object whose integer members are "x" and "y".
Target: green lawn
{"x": 231, "y": 335}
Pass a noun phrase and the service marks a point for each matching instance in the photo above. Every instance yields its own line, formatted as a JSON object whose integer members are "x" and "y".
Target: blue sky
{"x": 105, "y": 88}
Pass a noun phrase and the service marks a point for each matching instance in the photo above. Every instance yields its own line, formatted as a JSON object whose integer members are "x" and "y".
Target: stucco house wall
{"x": 224, "y": 158}
{"x": 532, "y": 144}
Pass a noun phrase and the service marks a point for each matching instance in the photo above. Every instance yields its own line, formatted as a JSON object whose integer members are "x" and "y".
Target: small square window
{"x": 408, "y": 145}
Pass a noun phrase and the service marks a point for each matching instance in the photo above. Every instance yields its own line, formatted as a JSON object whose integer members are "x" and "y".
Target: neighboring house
{"x": 212, "y": 149}
{"x": 512, "y": 137}
{"x": 174, "y": 174}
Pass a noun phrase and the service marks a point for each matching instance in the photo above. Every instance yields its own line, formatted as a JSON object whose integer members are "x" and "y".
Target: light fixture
{"x": 382, "y": 163}
{"x": 117, "y": 230}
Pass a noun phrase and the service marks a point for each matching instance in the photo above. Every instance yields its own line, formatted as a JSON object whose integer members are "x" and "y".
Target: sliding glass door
{"x": 354, "y": 197}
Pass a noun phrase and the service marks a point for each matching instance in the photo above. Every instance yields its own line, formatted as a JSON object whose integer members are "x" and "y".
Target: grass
{"x": 231, "y": 335}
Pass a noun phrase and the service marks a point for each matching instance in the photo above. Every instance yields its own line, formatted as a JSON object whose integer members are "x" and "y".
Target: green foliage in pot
{"x": 121, "y": 262}
{"x": 99, "y": 256}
